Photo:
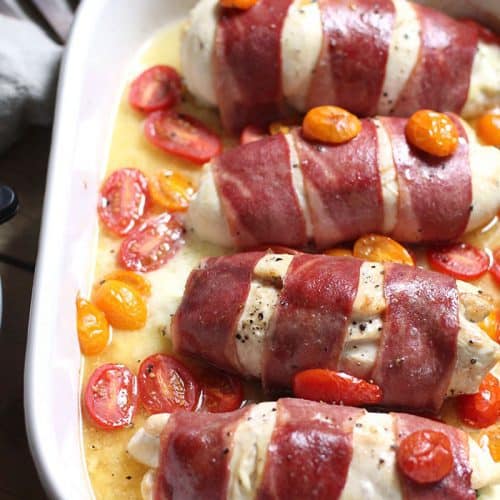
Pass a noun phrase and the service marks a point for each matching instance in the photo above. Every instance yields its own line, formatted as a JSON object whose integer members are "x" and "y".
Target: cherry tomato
{"x": 166, "y": 385}
{"x": 92, "y": 327}
{"x": 137, "y": 281}
{"x": 425, "y": 456}
{"x": 123, "y": 200}
{"x": 491, "y": 325}
{"x": 122, "y": 304}
{"x": 338, "y": 252}
{"x": 376, "y": 248}
{"x": 171, "y": 191}
{"x": 111, "y": 396}
{"x": 238, "y": 4}
{"x": 494, "y": 443}
{"x": 330, "y": 124}
{"x": 283, "y": 126}
{"x": 495, "y": 268}
{"x": 159, "y": 87}
{"x": 460, "y": 260}
{"x": 335, "y": 387}
{"x": 182, "y": 135}
{"x": 432, "y": 132}
{"x": 152, "y": 244}
{"x": 483, "y": 408}
{"x": 488, "y": 128}
{"x": 221, "y": 391}
{"x": 251, "y": 133}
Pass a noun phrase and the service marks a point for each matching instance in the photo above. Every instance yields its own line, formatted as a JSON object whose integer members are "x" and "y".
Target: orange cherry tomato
{"x": 171, "y": 191}
{"x": 491, "y": 325}
{"x": 494, "y": 443}
{"x": 339, "y": 252}
{"x": 92, "y": 326}
{"x": 335, "y": 387}
{"x": 122, "y": 304}
{"x": 330, "y": 124}
{"x": 488, "y": 128}
{"x": 460, "y": 260}
{"x": 251, "y": 133}
{"x": 377, "y": 248}
{"x": 495, "y": 267}
{"x": 432, "y": 132}
{"x": 425, "y": 456}
{"x": 222, "y": 392}
{"x": 139, "y": 282}
{"x": 283, "y": 127}
{"x": 483, "y": 408}
{"x": 238, "y": 4}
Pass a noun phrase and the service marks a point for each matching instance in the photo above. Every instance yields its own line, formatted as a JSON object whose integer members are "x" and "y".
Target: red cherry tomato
{"x": 495, "y": 268}
{"x": 251, "y": 133}
{"x": 123, "y": 200}
{"x": 221, "y": 391}
{"x": 151, "y": 244}
{"x": 182, "y": 135}
{"x": 425, "y": 456}
{"x": 335, "y": 387}
{"x": 166, "y": 385}
{"x": 460, "y": 260}
{"x": 159, "y": 87}
{"x": 481, "y": 409}
{"x": 111, "y": 396}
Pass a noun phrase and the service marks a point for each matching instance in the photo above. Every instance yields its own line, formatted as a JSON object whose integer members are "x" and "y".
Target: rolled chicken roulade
{"x": 268, "y": 316}
{"x": 388, "y": 57}
{"x": 296, "y": 449}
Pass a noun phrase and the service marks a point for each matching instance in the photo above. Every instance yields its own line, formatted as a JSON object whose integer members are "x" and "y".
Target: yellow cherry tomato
{"x": 494, "y": 444}
{"x": 122, "y": 304}
{"x": 282, "y": 127}
{"x": 339, "y": 252}
{"x": 488, "y": 128}
{"x": 491, "y": 325}
{"x": 377, "y": 248}
{"x": 92, "y": 327}
{"x": 238, "y": 4}
{"x": 330, "y": 124}
{"x": 432, "y": 132}
{"x": 139, "y": 282}
{"x": 171, "y": 191}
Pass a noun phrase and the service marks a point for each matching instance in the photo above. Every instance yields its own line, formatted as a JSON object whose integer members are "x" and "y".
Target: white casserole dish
{"x": 104, "y": 40}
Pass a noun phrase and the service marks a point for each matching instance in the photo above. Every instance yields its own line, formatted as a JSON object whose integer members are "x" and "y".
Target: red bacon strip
{"x": 308, "y": 457}
{"x": 418, "y": 347}
{"x": 457, "y": 484}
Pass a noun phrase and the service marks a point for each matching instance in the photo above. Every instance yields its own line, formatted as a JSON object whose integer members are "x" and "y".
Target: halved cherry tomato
{"x": 92, "y": 327}
{"x": 123, "y": 200}
{"x": 488, "y": 128}
{"x": 171, "y": 191}
{"x": 166, "y": 385}
{"x": 425, "y": 456}
{"x": 432, "y": 132}
{"x": 483, "y": 408}
{"x": 152, "y": 244}
{"x": 137, "y": 281}
{"x": 460, "y": 260}
{"x": 111, "y": 396}
{"x": 495, "y": 267}
{"x": 491, "y": 325}
{"x": 182, "y": 135}
{"x": 330, "y": 124}
{"x": 221, "y": 391}
{"x": 335, "y": 387}
{"x": 238, "y": 4}
{"x": 339, "y": 252}
{"x": 251, "y": 133}
{"x": 122, "y": 304}
{"x": 159, "y": 87}
{"x": 377, "y": 248}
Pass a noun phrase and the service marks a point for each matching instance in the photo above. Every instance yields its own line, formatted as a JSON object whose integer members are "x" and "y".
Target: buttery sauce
{"x": 114, "y": 474}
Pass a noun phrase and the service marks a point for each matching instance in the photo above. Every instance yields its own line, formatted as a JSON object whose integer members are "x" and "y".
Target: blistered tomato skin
{"x": 377, "y": 248}
{"x": 432, "y": 132}
{"x": 122, "y": 304}
{"x": 488, "y": 128}
{"x": 137, "y": 281}
{"x": 92, "y": 327}
{"x": 330, "y": 124}
{"x": 171, "y": 191}
{"x": 425, "y": 456}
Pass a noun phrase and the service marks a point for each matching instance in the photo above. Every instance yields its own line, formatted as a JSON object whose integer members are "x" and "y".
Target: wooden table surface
{"x": 23, "y": 167}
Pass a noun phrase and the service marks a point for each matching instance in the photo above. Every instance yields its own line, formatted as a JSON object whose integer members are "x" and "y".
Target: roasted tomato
{"x": 330, "y": 124}
{"x": 166, "y": 385}
{"x": 425, "y": 456}
{"x": 488, "y": 128}
{"x": 481, "y": 409}
{"x": 123, "y": 200}
{"x": 92, "y": 327}
{"x": 432, "y": 132}
{"x": 171, "y": 191}
{"x": 182, "y": 136}
{"x": 152, "y": 244}
{"x": 137, "y": 281}
{"x": 377, "y": 248}
{"x": 238, "y": 4}
{"x": 491, "y": 325}
{"x": 251, "y": 133}
{"x": 460, "y": 260}
{"x": 159, "y": 87}
{"x": 339, "y": 252}
{"x": 221, "y": 391}
{"x": 335, "y": 387}
{"x": 122, "y": 304}
{"x": 494, "y": 443}
{"x": 495, "y": 267}
{"x": 111, "y": 396}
